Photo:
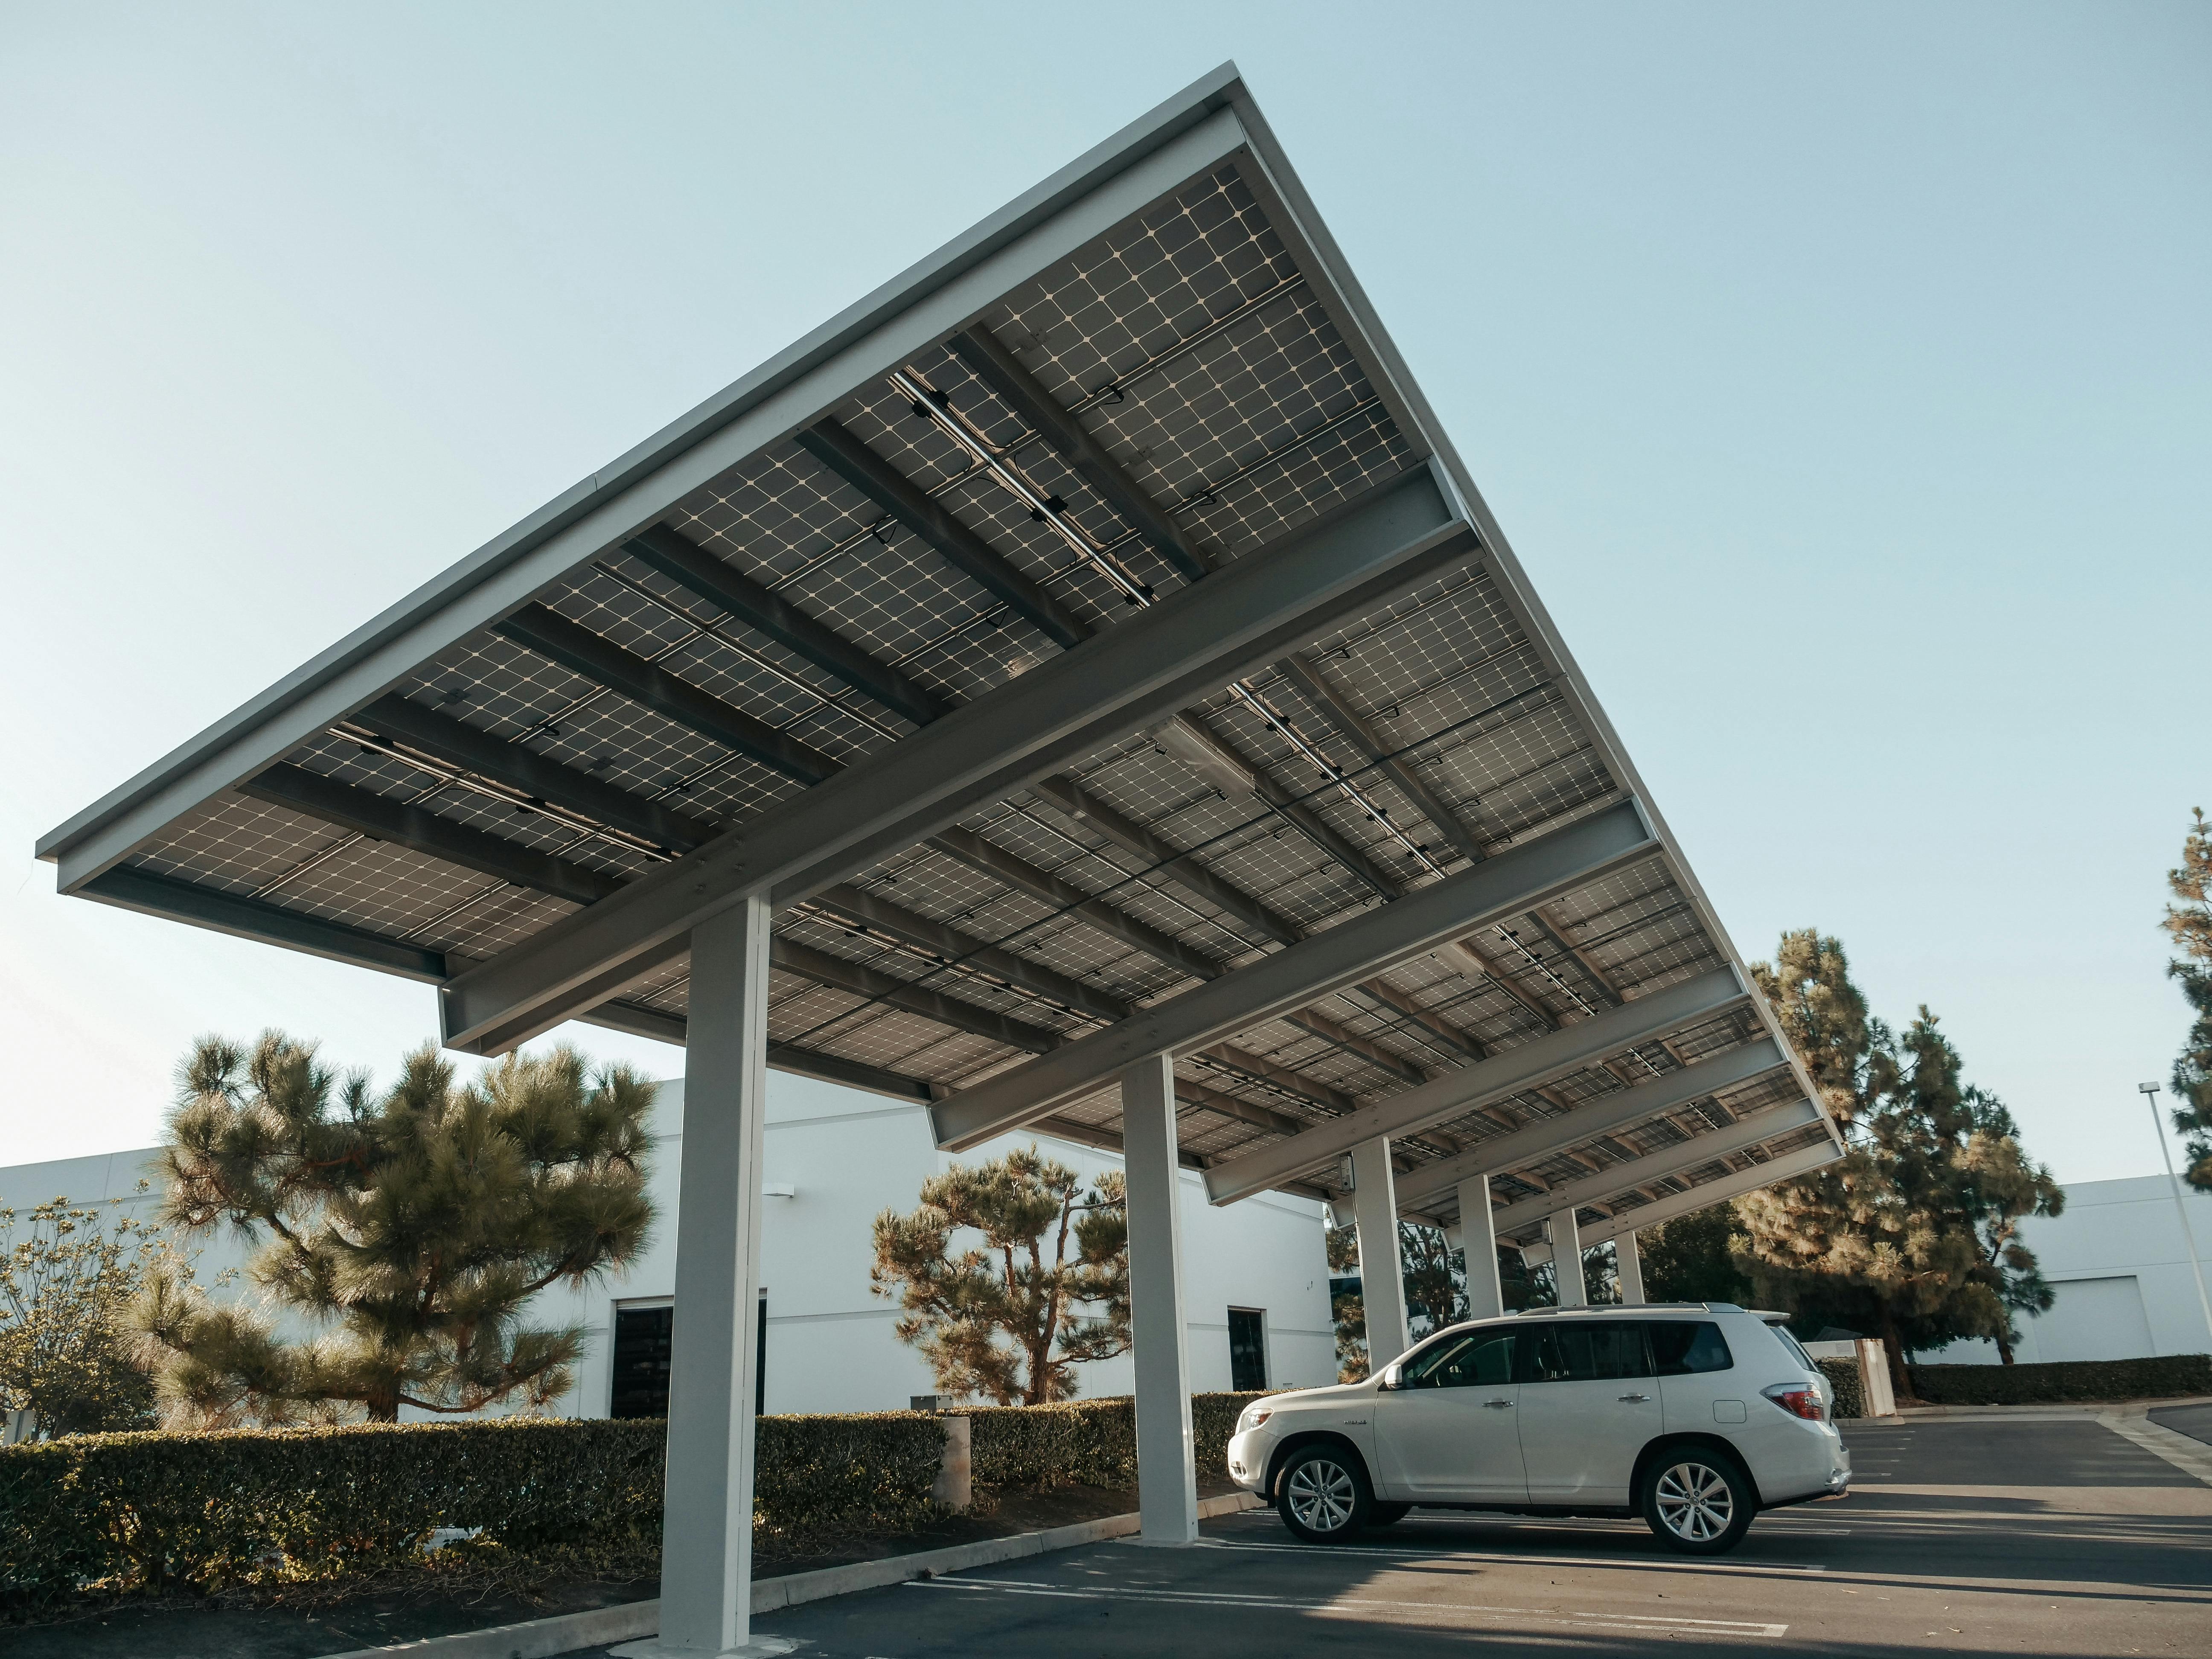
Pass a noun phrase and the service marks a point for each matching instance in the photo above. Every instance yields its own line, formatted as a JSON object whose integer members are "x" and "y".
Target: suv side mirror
{"x": 1393, "y": 1376}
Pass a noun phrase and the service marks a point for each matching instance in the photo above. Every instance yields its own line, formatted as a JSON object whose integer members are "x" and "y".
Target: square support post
{"x": 1567, "y": 1259}
{"x": 1486, "y": 1299}
{"x": 706, "y": 1536}
{"x": 1628, "y": 1262}
{"x": 1382, "y": 1279}
{"x": 1167, "y": 1471}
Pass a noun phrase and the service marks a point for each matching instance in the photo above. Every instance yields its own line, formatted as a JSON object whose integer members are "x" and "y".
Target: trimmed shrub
{"x": 1088, "y": 1441}
{"x": 148, "y": 1511}
{"x": 2084, "y": 1380}
{"x": 1844, "y": 1377}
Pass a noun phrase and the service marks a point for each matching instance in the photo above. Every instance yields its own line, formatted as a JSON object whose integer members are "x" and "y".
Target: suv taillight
{"x": 1799, "y": 1400}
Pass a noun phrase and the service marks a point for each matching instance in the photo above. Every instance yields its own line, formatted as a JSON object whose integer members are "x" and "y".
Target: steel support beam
{"x": 1486, "y": 1297}
{"x": 1167, "y": 1468}
{"x": 1568, "y": 1286}
{"x": 1133, "y": 676}
{"x": 1628, "y": 1262}
{"x": 405, "y": 825}
{"x": 130, "y": 889}
{"x": 892, "y": 992}
{"x": 1545, "y": 1135}
{"x": 931, "y": 520}
{"x": 1314, "y": 968}
{"x": 1381, "y": 1274}
{"x": 997, "y": 368}
{"x": 1338, "y": 711}
{"x": 1619, "y": 1178}
{"x": 707, "y": 1534}
{"x": 470, "y": 749}
{"x": 1540, "y": 1060}
{"x": 950, "y": 943}
{"x": 601, "y": 661}
{"x": 1787, "y": 1167}
{"x": 682, "y": 560}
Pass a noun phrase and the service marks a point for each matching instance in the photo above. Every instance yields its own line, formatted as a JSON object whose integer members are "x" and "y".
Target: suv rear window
{"x": 1583, "y": 1351}
{"x": 1682, "y": 1347}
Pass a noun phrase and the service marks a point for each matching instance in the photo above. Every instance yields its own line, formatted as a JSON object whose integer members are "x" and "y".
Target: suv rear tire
{"x": 1697, "y": 1500}
{"x": 1323, "y": 1496}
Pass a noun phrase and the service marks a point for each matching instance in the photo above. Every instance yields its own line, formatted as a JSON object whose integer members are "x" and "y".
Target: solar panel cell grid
{"x": 1217, "y": 376}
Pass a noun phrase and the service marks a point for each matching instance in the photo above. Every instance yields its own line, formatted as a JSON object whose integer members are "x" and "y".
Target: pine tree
{"x": 2002, "y": 1188}
{"x": 2189, "y": 924}
{"x": 1688, "y": 1258}
{"x": 1913, "y": 1233}
{"x": 1005, "y": 1321}
{"x": 407, "y": 1231}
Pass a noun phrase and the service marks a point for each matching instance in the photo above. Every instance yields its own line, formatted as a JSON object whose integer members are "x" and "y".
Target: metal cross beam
{"x": 387, "y": 818}
{"x": 1314, "y": 967}
{"x": 931, "y": 520}
{"x": 683, "y": 560}
{"x": 1589, "y": 1119}
{"x": 1608, "y": 1183}
{"x": 1134, "y": 675}
{"x": 1541, "y": 1060}
{"x": 472, "y": 749}
{"x": 1787, "y": 1167}
{"x": 997, "y": 368}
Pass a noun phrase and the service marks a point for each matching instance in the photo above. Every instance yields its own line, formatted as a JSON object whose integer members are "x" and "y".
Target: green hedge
{"x": 1844, "y": 1377}
{"x": 147, "y": 1511}
{"x": 1087, "y": 1442}
{"x": 121, "y": 1512}
{"x": 2070, "y": 1380}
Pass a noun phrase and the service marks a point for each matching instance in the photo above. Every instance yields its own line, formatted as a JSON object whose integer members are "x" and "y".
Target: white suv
{"x": 1694, "y": 1415}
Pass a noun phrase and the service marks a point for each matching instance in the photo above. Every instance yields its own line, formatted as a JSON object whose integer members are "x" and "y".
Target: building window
{"x": 1248, "y": 1350}
{"x": 640, "y": 1361}
{"x": 641, "y": 1382}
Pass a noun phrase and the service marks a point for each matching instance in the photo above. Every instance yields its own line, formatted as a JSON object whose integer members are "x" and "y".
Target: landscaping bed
{"x": 307, "y": 1525}
{"x": 2062, "y": 1382}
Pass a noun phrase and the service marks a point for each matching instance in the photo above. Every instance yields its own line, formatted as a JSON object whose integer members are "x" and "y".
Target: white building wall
{"x": 847, "y": 1155}
{"x": 2116, "y": 1259}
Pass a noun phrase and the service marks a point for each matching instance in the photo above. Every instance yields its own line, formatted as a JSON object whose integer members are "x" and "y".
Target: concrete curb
{"x": 2048, "y": 1411}
{"x": 542, "y": 1638}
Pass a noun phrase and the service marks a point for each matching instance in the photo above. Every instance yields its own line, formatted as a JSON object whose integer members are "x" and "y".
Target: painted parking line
{"x": 1388, "y": 1552}
{"x": 1434, "y": 1612}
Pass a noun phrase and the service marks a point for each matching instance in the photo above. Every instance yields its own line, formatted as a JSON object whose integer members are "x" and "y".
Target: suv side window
{"x": 1470, "y": 1359}
{"x": 1584, "y": 1352}
{"x": 1683, "y": 1347}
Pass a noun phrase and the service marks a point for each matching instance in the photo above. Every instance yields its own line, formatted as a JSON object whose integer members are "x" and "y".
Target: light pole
{"x": 2150, "y": 1099}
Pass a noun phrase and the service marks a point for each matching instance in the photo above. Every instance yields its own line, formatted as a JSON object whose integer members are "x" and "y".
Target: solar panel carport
{"x": 1079, "y": 688}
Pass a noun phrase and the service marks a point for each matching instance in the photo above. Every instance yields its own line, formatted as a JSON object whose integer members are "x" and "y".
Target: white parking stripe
{"x": 1385, "y": 1551}
{"x": 1444, "y": 1611}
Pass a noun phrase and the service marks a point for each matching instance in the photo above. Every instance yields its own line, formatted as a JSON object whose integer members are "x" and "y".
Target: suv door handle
{"x": 1634, "y": 1399}
{"x": 1499, "y": 1405}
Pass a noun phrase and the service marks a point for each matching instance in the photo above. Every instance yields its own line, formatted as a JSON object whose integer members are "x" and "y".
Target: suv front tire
{"x": 1323, "y": 1496}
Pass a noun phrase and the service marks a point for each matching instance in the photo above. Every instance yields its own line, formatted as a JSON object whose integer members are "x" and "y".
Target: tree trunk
{"x": 383, "y": 1408}
{"x": 2004, "y": 1349}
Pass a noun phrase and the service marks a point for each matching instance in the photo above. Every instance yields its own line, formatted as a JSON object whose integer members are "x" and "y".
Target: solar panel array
{"x": 1217, "y": 376}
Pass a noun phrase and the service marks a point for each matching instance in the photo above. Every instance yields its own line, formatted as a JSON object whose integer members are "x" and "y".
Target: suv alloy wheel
{"x": 1697, "y": 1500}
{"x": 1323, "y": 1495}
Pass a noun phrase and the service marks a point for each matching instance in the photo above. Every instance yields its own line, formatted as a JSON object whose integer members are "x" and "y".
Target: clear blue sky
{"x": 1842, "y": 376}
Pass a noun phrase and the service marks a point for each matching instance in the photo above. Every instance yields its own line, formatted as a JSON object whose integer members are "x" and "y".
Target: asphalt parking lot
{"x": 2019, "y": 1537}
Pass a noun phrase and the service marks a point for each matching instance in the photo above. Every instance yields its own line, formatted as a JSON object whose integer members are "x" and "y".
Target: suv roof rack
{"x": 1615, "y": 1308}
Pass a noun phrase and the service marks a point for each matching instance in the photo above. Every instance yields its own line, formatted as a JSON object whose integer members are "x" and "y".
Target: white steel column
{"x": 1381, "y": 1279}
{"x": 1567, "y": 1259}
{"x": 1485, "y": 1299}
{"x": 1167, "y": 1470}
{"x": 1628, "y": 1262}
{"x": 707, "y": 1534}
